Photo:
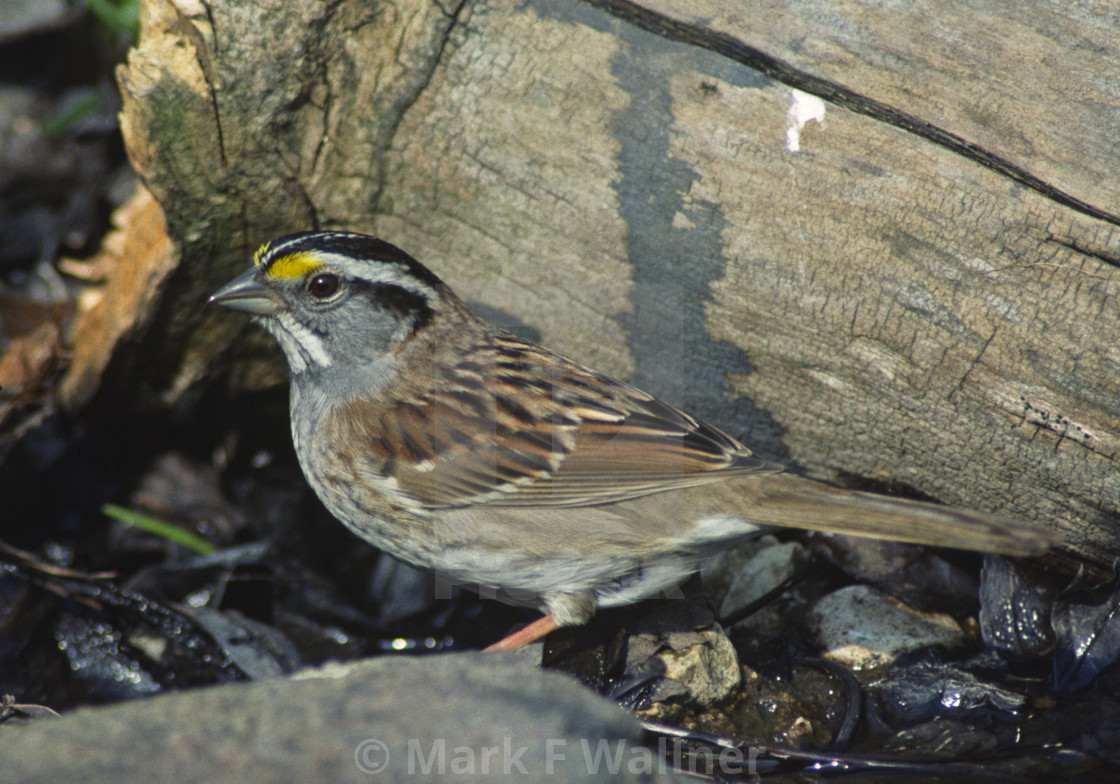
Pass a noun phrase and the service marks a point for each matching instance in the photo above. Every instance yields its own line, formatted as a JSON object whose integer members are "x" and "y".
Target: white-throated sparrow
{"x": 455, "y": 446}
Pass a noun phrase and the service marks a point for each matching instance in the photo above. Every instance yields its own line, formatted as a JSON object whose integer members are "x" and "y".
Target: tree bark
{"x": 913, "y": 282}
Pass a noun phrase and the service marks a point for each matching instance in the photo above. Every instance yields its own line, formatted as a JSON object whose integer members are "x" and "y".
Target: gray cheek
{"x": 362, "y": 333}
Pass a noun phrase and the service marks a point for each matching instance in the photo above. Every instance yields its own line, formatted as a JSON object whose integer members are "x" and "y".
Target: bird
{"x": 458, "y": 447}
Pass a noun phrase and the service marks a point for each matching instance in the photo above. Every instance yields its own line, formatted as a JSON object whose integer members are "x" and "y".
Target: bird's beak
{"x": 247, "y": 294}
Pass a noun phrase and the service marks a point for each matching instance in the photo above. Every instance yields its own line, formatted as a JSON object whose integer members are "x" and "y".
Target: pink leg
{"x": 534, "y": 631}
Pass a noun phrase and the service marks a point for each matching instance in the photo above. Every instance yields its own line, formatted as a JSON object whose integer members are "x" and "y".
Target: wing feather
{"x": 516, "y": 425}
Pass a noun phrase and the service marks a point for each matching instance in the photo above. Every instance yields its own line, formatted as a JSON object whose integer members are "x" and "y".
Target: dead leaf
{"x": 29, "y": 361}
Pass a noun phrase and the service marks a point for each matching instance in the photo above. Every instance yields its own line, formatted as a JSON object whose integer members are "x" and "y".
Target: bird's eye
{"x": 323, "y": 286}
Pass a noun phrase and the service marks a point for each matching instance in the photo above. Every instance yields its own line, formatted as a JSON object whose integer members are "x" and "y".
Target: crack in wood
{"x": 833, "y": 92}
{"x": 1077, "y": 247}
{"x": 191, "y": 34}
{"x": 412, "y": 94}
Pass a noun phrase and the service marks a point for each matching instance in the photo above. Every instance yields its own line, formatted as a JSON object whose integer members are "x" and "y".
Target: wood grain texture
{"x": 1034, "y": 85}
{"x": 924, "y": 294}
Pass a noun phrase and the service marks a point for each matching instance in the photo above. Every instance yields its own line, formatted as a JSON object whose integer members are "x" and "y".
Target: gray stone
{"x": 27, "y": 17}
{"x": 863, "y": 628}
{"x": 462, "y": 717}
{"x": 765, "y": 571}
{"x": 720, "y": 570}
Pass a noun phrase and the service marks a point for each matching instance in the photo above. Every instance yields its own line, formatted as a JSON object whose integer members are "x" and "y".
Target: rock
{"x": 709, "y": 669}
{"x": 401, "y": 590}
{"x": 1014, "y": 612}
{"x": 768, "y": 568}
{"x": 925, "y": 691}
{"x": 701, "y": 667}
{"x": 863, "y": 628}
{"x": 29, "y": 17}
{"x": 720, "y": 570}
{"x": 472, "y": 717}
{"x": 919, "y": 576}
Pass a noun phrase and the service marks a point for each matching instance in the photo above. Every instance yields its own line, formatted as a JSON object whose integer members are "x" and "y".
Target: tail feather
{"x": 791, "y": 501}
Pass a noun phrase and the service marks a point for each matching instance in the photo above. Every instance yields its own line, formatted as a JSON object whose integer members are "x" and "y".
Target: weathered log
{"x": 918, "y": 287}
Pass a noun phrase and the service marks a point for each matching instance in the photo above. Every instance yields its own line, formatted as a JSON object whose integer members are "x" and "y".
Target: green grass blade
{"x": 161, "y": 529}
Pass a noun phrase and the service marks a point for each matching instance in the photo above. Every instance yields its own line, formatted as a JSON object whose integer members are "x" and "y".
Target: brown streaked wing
{"x": 520, "y": 426}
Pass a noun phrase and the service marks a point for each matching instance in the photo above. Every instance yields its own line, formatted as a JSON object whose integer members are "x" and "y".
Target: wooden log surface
{"x": 877, "y": 241}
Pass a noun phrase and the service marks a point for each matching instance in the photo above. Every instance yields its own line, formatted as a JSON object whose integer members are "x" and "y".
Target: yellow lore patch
{"x": 295, "y": 265}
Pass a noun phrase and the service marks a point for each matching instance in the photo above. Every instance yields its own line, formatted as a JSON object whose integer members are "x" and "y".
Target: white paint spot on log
{"x": 803, "y": 108}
